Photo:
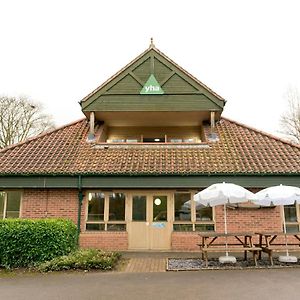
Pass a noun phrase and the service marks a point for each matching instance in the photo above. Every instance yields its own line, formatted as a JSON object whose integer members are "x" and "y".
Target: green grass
{"x": 84, "y": 259}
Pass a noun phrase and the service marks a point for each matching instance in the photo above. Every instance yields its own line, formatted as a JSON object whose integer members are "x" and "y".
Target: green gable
{"x": 152, "y": 82}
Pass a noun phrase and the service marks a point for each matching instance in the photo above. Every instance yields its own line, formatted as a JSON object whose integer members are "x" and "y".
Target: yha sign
{"x": 151, "y": 87}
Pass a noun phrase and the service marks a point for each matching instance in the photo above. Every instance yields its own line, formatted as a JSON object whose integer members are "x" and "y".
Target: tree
{"x": 290, "y": 120}
{"x": 20, "y": 119}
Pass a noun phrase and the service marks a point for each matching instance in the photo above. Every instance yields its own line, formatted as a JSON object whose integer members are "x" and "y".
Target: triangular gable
{"x": 133, "y": 78}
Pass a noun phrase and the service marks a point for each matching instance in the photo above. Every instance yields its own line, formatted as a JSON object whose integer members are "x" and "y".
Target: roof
{"x": 65, "y": 151}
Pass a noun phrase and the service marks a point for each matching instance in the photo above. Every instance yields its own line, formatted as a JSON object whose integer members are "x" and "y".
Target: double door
{"x": 150, "y": 225}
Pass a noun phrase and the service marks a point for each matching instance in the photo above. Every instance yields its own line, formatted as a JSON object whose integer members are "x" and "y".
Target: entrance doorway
{"x": 150, "y": 226}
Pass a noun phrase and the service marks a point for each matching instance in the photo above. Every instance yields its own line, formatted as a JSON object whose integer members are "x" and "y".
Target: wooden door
{"x": 160, "y": 227}
{"x": 150, "y": 227}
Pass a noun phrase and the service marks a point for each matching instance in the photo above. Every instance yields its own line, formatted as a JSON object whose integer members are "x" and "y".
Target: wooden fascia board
{"x": 144, "y": 182}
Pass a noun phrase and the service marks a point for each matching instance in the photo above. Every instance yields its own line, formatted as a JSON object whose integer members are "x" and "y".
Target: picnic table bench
{"x": 269, "y": 243}
{"x": 216, "y": 242}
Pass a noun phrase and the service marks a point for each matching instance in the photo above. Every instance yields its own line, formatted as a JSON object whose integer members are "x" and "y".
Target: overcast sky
{"x": 56, "y": 52}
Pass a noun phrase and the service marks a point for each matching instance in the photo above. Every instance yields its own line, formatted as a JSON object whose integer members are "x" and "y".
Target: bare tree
{"x": 290, "y": 120}
{"x": 20, "y": 118}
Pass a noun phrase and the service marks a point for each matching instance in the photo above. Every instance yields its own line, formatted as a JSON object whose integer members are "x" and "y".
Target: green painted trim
{"x": 145, "y": 182}
{"x": 194, "y": 102}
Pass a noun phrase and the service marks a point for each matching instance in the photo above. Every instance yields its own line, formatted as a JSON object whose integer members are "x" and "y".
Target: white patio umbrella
{"x": 222, "y": 194}
{"x": 279, "y": 195}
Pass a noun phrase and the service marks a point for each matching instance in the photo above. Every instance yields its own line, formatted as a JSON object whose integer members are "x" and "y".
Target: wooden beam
{"x": 212, "y": 121}
{"x": 136, "y": 79}
{"x": 92, "y": 122}
{"x": 167, "y": 78}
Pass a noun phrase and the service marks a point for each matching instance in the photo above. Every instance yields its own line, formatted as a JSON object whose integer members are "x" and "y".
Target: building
{"x": 153, "y": 135}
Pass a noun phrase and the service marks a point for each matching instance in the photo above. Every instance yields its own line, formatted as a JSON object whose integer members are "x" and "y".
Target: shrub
{"x": 25, "y": 242}
{"x": 84, "y": 259}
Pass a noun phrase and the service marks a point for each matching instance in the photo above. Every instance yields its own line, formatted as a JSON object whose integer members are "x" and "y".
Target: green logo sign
{"x": 151, "y": 87}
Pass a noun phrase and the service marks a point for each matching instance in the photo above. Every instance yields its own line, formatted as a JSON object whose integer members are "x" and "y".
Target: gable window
{"x": 10, "y": 204}
{"x": 106, "y": 211}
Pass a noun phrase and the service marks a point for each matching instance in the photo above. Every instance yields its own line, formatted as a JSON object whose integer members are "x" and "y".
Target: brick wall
{"x": 244, "y": 220}
{"x": 185, "y": 241}
{"x": 105, "y": 240}
{"x": 63, "y": 203}
{"x": 51, "y": 203}
{"x": 43, "y": 203}
{"x": 238, "y": 220}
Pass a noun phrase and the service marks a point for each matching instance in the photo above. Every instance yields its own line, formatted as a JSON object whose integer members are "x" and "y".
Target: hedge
{"x": 25, "y": 242}
{"x": 83, "y": 259}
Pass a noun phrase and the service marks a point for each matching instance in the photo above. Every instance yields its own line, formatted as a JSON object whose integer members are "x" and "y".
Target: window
{"x": 106, "y": 211}
{"x": 190, "y": 217}
{"x": 10, "y": 204}
{"x": 154, "y": 140}
{"x": 292, "y": 217}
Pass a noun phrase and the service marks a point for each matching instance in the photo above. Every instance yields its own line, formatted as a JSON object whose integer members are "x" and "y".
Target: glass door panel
{"x": 139, "y": 204}
{"x": 160, "y": 208}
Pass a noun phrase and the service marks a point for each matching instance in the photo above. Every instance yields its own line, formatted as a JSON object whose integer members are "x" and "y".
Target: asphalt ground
{"x": 217, "y": 284}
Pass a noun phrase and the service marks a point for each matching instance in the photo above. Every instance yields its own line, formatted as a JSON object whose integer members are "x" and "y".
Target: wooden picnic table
{"x": 270, "y": 242}
{"x": 236, "y": 242}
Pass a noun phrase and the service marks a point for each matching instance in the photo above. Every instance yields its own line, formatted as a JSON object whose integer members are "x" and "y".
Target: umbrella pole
{"x": 284, "y": 229}
{"x": 225, "y": 228}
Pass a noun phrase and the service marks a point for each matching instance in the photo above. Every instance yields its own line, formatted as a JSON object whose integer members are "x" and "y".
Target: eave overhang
{"x": 144, "y": 181}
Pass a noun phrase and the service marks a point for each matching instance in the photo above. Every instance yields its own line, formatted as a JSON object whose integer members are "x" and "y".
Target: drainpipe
{"x": 80, "y": 199}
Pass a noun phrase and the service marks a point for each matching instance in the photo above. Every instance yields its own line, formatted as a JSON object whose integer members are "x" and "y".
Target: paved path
{"x": 142, "y": 265}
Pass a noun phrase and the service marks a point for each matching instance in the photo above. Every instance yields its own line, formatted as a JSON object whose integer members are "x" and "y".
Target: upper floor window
{"x": 171, "y": 134}
{"x": 10, "y": 204}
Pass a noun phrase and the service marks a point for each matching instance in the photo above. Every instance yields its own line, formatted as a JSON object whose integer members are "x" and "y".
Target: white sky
{"x": 56, "y": 52}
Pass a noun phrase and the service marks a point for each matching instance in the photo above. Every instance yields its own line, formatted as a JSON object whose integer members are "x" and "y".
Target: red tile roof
{"x": 240, "y": 150}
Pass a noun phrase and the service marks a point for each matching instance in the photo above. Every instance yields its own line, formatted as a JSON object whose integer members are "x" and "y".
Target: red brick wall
{"x": 244, "y": 220}
{"x": 238, "y": 220}
{"x": 63, "y": 203}
{"x": 104, "y": 240}
{"x": 54, "y": 203}
{"x": 185, "y": 241}
{"x": 43, "y": 203}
